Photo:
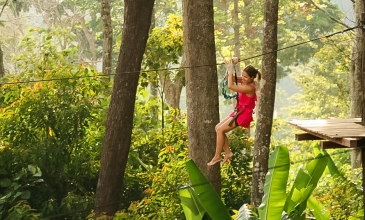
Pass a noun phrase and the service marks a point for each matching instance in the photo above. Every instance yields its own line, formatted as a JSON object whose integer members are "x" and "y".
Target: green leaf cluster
{"x": 276, "y": 203}
{"x": 15, "y": 193}
{"x": 199, "y": 199}
{"x": 55, "y": 122}
{"x": 164, "y": 50}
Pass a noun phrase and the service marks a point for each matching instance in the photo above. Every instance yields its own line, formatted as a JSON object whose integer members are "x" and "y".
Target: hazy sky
{"x": 347, "y": 7}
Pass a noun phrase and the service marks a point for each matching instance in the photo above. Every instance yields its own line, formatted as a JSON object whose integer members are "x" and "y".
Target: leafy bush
{"x": 55, "y": 122}
{"x": 156, "y": 163}
{"x": 237, "y": 176}
{"x": 342, "y": 193}
{"x": 15, "y": 193}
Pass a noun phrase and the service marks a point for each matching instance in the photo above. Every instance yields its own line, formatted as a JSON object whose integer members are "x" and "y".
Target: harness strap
{"x": 235, "y": 116}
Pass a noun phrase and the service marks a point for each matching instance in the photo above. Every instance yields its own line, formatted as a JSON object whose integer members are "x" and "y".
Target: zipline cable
{"x": 183, "y": 67}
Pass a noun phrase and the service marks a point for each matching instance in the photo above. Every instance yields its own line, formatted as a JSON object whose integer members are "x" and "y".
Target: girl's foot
{"x": 227, "y": 157}
{"x": 214, "y": 161}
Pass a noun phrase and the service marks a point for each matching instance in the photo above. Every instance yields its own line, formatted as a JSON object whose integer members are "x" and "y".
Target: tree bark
{"x": 90, "y": 37}
{"x": 108, "y": 37}
{"x": 266, "y": 102}
{"x": 117, "y": 140}
{"x": 250, "y": 31}
{"x": 356, "y": 96}
{"x": 153, "y": 84}
{"x": 2, "y": 69}
{"x": 201, "y": 85}
{"x": 172, "y": 90}
{"x": 236, "y": 28}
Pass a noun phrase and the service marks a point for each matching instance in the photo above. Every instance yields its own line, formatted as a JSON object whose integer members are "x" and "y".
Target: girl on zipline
{"x": 242, "y": 115}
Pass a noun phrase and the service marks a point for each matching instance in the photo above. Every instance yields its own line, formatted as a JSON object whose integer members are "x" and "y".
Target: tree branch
{"x": 329, "y": 15}
{"x": 3, "y": 7}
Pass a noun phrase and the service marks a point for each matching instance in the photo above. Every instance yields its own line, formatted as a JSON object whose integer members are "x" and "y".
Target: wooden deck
{"x": 335, "y": 133}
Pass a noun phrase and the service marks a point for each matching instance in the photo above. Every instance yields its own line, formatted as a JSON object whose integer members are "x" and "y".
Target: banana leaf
{"x": 244, "y": 213}
{"x": 318, "y": 210}
{"x": 193, "y": 210}
{"x": 207, "y": 199}
{"x": 331, "y": 166}
{"x": 275, "y": 185}
{"x": 304, "y": 184}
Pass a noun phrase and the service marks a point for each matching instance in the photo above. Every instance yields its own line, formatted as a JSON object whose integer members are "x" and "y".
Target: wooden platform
{"x": 335, "y": 133}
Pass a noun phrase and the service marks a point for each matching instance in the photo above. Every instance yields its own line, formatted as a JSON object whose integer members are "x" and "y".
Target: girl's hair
{"x": 252, "y": 72}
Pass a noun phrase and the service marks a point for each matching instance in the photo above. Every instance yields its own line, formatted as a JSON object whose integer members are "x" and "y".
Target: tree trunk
{"x": 236, "y": 28}
{"x": 117, "y": 140}
{"x": 356, "y": 95}
{"x": 172, "y": 90}
{"x": 250, "y": 31}
{"x": 153, "y": 84}
{"x": 201, "y": 85}
{"x": 266, "y": 102}
{"x": 108, "y": 37}
{"x": 90, "y": 37}
{"x": 2, "y": 69}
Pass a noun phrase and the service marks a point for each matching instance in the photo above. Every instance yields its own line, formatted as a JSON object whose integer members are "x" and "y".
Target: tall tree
{"x": 107, "y": 36}
{"x": 2, "y": 69}
{"x": 266, "y": 101}
{"x": 236, "y": 28}
{"x": 117, "y": 140}
{"x": 356, "y": 95}
{"x": 201, "y": 85}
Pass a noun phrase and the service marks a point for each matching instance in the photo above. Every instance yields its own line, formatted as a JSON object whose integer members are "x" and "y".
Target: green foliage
{"x": 276, "y": 203}
{"x": 164, "y": 50}
{"x": 150, "y": 134}
{"x": 250, "y": 27}
{"x": 341, "y": 193}
{"x": 236, "y": 177}
{"x": 202, "y": 199}
{"x": 72, "y": 206}
{"x": 161, "y": 197}
{"x": 275, "y": 184}
{"x": 58, "y": 125}
{"x": 324, "y": 83}
{"x": 301, "y": 22}
{"x": 303, "y": 186}
{"x": 155, "y": 167}
{"x": 15, "y": 193}
{"x": 55, "y": 123}
{"x": 49, "y": 120}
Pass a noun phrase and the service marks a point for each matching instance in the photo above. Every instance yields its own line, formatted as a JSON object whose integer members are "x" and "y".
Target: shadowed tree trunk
{"x": 266, "y": 102}
{"x": 201, "y": 85}
{"x": 90, "y": 37}
{"x": 2, "y": 69}
{"x": 236, "y": 28}
{"x": 356, "y": 96}
{"x": 173, "y": 89}
{"x": 153, "y": 84}
{"x": 117, "y": 140}
{"x": 107, "y": 37}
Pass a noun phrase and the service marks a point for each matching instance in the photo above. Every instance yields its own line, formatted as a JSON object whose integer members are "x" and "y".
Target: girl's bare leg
{"x": 227, "y": 152}
{"x": 222, "y": 141}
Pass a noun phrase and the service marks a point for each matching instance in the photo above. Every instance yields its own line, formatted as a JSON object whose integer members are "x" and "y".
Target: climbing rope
{"x": 224, "y": 90}
{"x": 225, "y": 80}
